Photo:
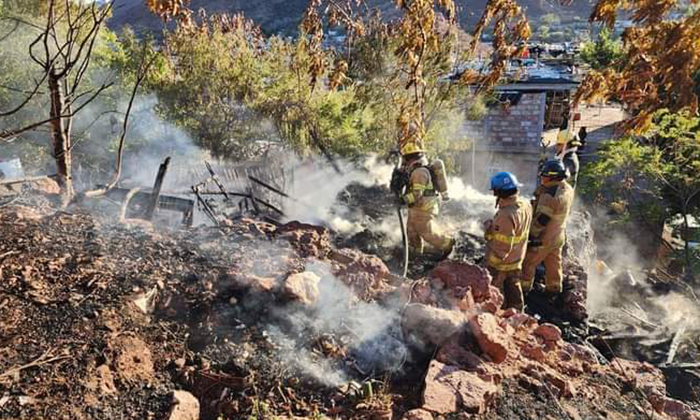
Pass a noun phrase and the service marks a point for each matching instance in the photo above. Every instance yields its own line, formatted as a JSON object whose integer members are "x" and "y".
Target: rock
{"x": 459, "y": 278}
{"x": 303, "y": 288}
{"x": 509, "y": 313}
{"x": 520, "y": 320}
{"x": 449, "y": 390}
{"x": 432, "y": 325}
{"x": 257, "y": 284}
{"x": 185, "y": 406}
{"x": 308, "y": 240}
{"x": 676, "y": 409}
{"x": 367, "y": 275}
{"x": 533, "y": 351}
{"x": 562, "y": 386}
{"x": 548, "y": 332}
{"x": 641, "y": 375}
{"x": 492, "y": 339}
{"x": 417, "y": 414}
{"x": 454, "y": 353}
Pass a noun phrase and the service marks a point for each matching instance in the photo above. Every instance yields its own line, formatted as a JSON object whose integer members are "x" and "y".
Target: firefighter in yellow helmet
{"x": 553, "y": 201}
{"x": 506, "y": 235}
{"x": 422, "y": 200}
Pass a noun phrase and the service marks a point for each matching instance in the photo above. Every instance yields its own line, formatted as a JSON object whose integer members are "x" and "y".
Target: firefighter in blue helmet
{"x": 506, "y": 235}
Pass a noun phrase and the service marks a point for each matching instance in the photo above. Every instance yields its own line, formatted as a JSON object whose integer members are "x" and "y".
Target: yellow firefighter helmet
{"x": 412, "y": 147}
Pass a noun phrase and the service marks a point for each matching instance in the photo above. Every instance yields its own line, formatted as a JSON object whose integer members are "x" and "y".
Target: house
{"x": 509, "y": 136}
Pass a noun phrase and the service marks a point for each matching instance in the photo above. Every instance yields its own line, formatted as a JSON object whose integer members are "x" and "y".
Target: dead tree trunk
{"x": 60, "y": 137}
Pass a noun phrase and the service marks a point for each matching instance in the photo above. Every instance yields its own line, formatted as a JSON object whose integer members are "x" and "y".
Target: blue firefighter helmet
{"x": 504, "y": 181}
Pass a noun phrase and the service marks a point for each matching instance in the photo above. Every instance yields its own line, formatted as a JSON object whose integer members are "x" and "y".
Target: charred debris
{"x": 234, "y": 311}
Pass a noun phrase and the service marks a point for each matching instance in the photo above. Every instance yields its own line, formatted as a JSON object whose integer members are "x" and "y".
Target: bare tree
{"x": 63, "y": 51}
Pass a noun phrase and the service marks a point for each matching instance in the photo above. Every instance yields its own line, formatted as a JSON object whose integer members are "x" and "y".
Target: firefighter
{"x": 506, "y": 235}
{"x": 422, "y": 199}
{"x": 568, "y": 153}
{"x": 552, "y": 205}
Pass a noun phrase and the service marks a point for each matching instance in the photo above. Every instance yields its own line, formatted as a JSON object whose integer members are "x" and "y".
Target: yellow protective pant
{"x": 551, "y": 256}
{"x": 420, "y": 228}
{"x": 508, "y": 282}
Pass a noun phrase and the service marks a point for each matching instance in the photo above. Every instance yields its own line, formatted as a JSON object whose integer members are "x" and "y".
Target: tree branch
{"x": 141, "y": 75}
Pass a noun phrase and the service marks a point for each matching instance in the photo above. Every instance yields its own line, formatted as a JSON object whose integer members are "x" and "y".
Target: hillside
{"x": 282, "y": 16}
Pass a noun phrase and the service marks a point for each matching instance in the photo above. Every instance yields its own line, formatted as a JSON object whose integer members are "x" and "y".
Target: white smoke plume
{"x": 317, "y": 185}
{"x": 368, "y": 330}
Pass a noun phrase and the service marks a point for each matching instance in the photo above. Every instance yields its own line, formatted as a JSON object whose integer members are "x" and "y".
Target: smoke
{"x": 149, "y": 140}
{"x": 317, "y": 185}
{"x": 368, "y": 330}
{"x": 467, "y": 209}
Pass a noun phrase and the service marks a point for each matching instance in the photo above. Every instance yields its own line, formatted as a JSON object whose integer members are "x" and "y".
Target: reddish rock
{"x": 509, "y": 313}
{"x": 642, "y": 375}
{"x": 531, "y": 383}
{"x": 494, "y": 302}
{"x": 184, "y": 406}
{"x": 677, "y": 410}
{"x": 562, "y": 387}
{"x": 303, "y": 288}
{"x": 449, "y": 390}
{"x": 521, "y": 320}
{"x": 454, "y": 353}
{"x": 367, "y": 275}
{"x": 533, "y": 351}
{"x": 459, "y": 278}
{"x": 492, "y": 339}
{"x": 548, "y": 332}
{"x": 417, "y": 414}
{"x": 308, "y": 240}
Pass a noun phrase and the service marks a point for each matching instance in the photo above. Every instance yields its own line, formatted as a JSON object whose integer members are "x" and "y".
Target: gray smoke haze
{"x": 149, "y": 140}
{"x": 370, "y": 331}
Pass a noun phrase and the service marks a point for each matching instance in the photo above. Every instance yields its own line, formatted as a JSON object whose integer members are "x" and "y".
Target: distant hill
{"x": 283, "y": 16}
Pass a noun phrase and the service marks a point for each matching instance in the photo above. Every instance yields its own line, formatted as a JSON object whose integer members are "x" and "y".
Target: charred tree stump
{"x": 155, "y": 194}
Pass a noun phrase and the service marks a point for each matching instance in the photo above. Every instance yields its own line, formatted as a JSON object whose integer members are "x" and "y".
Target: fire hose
{"x": 404, "y": 237}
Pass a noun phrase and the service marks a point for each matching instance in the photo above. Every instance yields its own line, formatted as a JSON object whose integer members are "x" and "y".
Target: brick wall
{"x": 515, "y": 129}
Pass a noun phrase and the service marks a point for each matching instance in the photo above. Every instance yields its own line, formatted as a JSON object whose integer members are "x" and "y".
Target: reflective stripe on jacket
{"x": 552, "y": 207}
{"x": 508, "y": 233}
{"x": 420, "y": 194}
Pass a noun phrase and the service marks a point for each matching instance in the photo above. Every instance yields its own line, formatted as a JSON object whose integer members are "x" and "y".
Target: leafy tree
{"x": 62, "y": 47}
{"x": 661, "y": 55}
{"x": 603, "y": 52}
{"x": 653, "y": 178}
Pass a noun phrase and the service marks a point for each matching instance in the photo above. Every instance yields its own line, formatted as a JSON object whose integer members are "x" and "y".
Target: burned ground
{"x": 105, "y": 320}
